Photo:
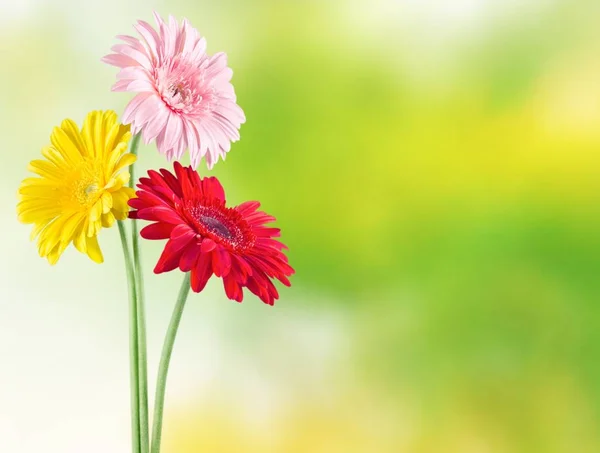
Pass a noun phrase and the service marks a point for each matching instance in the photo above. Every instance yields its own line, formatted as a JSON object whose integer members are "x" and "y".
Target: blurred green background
{"x": 434, "y": 166}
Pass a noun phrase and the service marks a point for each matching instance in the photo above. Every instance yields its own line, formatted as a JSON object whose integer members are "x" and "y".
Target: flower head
{"x": 206, "y": 237}
{"x": 81, "y": 186}
{"x": 185, "y": 98}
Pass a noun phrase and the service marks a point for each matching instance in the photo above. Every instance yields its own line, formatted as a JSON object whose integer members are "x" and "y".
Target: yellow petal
{"x": 80, "y": 241}
{"x": 88, "y": 132}
{"x": 35, "y": 215}
{"x": 108, "y": 220}
{"x": 113, "y": 157}
{"x": 93, "y": 249}
{"x": 96, "y": 211}
{"x": 70, "y": 227}
{"x": 111, "y": 136}
{"x": 45, "y": 169}
{"x": 118, "y": 182}
{"x": 37, "y": 229}
{"x": 50, "y": 153}
{"x": 56, "y": 252}
{"x": 72, "y": 130}
{"x": 120, "y": 199}
{"x": 125, "y": 161}
{"x": 61, "y": 141}
{"x": 46, "y": 243}
{"x": 93, "y": 228}
{"x": 36, "y": 192}
{"x": 39, "y": 182}
{"x": 107, "y": 202}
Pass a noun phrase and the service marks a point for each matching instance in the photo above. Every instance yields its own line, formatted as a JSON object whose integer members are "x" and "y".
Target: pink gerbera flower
{"x": 206, "y": 237}
{"x": 185, "y": 98}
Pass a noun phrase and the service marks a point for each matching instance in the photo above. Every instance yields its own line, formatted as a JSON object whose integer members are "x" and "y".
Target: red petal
{"x": 195, "y": 179}
{"x": 266, "y": 232}
{"x": 248, "y": 207}
{"x": 158, "y": 230}
{"x": 260, "y": 285}
{"x": 167, "y": 195}
{"x": 208, "y": 245}
{"x": 183, "y": 232}
{"x": 144, "y": 182}
{"x": 201, "y": 272}
{"x": 189, "y": 257}
{"x": 221, "y": 262}
{"x": 232, "y": 288}
{"x": 160, "y": 213}
{"x": 272, "y": 243}
{"x": 212, "y": 188}
{"x": 241, "y": 266}
{"x": 181, "y": 237}
{"x": 182, "y": 176}
{"x": 259, "y": 218}
{"x": 172, "y": 182}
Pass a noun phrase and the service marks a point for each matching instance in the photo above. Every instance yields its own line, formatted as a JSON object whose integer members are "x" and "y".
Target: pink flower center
{"x": 223, "y": 225}
{"x": 181, "y": 85}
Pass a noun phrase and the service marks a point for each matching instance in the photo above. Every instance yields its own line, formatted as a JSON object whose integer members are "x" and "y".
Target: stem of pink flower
{"x": 165, "y": 358}
{"x": 141, "y": 318}
{"x": 133, "y": 343}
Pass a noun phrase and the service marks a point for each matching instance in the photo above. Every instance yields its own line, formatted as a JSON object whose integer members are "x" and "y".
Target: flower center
{"x": 182, "y": 87}
{"x": 223, "y": 225}
{"x": 86, "y": 192}
{"x": 216, "y": 227}
{"x": 82, "y": 188}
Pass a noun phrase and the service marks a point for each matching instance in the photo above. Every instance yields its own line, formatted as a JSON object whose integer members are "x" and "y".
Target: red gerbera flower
{"x": 206, "y": 237}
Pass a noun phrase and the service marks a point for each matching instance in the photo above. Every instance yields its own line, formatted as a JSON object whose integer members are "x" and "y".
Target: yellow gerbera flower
{"x": 81, "y": 188}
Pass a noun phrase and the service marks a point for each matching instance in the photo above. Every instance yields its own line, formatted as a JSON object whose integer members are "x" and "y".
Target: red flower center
{"x": 214, "y": 226}
{"x": 223, "y": 225}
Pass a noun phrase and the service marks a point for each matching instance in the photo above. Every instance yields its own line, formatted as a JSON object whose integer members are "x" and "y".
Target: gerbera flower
{"x": 81, "y": 187}
{"x": 185, "y": 97}
{"x": 206, "y": 237}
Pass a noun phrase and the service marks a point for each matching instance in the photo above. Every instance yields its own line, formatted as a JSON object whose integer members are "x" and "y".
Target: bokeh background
{"x": 434, "y": 166}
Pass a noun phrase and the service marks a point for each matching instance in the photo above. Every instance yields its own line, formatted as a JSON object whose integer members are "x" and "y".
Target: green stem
{"x": 163, "y": 367}
{"x": 135, "y": 142}
{"x": 133, "y": 343}
{"x": 141, "y": 318}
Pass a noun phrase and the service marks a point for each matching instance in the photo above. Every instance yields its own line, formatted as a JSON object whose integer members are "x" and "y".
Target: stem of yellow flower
{"x": 141, "y": 318}
{"x": 133, "y": 343}
{"x": 163, "y": 367}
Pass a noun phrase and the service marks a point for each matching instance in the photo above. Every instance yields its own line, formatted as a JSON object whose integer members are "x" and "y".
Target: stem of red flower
{"x": 163, "y": 367}
{"x": 133, "y": 343}
{"x": 141, "y": 318}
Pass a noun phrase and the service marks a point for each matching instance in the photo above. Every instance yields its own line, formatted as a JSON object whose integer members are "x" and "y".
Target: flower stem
{"x": 163, "y": 367}
{"x": 133, "y": 343}
{"x": 141, "y": 318}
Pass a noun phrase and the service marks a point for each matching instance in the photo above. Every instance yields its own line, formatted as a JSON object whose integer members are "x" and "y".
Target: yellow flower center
{"x": 83, "y": 187}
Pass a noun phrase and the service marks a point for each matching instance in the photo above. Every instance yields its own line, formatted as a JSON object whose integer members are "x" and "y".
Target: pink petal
{"x": 157, "y": 122}
{"x": 146, "y": 110}
{"x": 121, "y": 61}
{"x": 129, "y": 112}
{"x": 140, "y": 57}
{"x": 150, "y": 36}
{"x": 173, "y": 131}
